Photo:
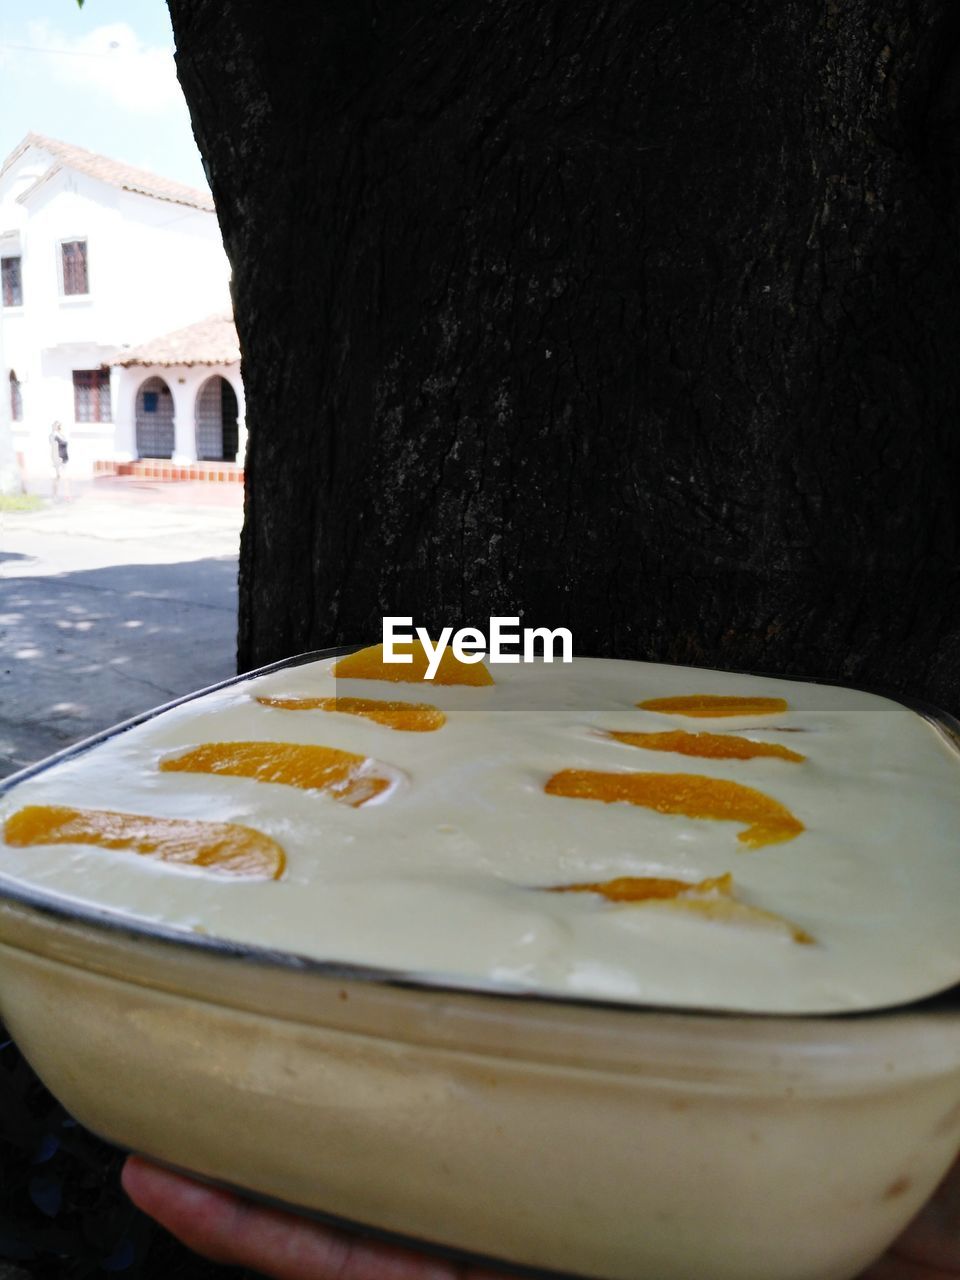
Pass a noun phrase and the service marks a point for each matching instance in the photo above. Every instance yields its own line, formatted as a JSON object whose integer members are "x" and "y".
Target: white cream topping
{"x": 445, "y": 873}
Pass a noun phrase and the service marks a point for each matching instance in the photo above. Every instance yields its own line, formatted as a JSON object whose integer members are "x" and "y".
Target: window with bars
{"x": 12, "y": 282}
{"x": 16, "y": 398}
{"x": 91, "y": 395}
{"x": 73, "y": 267}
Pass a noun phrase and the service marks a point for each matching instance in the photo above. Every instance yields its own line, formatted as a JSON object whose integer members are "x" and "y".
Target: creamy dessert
{"x": 604, "y": 829}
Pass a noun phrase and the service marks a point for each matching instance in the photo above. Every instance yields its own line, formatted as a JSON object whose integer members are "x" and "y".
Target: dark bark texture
{"x": 640, "y": 317}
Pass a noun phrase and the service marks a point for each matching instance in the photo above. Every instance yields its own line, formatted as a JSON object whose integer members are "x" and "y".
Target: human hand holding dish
{"x": 228, "y": 1229}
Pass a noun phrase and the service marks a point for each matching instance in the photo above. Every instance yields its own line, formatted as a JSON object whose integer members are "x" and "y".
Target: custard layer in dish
{"x": 612, "y": 830}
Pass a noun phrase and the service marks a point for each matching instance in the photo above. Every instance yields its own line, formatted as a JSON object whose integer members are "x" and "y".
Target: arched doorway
{"x": 154, "y": 420}
{"x": 217, "y": 421}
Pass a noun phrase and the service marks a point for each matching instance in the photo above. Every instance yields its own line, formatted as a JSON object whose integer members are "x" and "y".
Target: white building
{"x": 180, "y": 397}
{"x": 98, "y": 258}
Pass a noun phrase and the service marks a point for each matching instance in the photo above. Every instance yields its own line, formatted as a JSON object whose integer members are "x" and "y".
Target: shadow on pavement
{"x": 82, "y": 651}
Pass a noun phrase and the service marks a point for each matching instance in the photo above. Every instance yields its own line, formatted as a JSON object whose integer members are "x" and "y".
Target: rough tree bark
{"x": 636, "y": 316}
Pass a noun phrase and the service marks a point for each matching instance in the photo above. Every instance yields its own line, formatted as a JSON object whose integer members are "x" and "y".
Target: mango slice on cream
{"x": 768, "y": 821}
{"x": 344, "y": 775}
{"x": 712, "y": 899}
{"x": 709, "y": 705}
{"x": 707, "y": 746}
{"x": 215, "y": 846}
{"x": 646, "y": 888}
{"x": 411, "y": 717}
{"x": 368, "y": 664}
{"x": 723, "y": 910}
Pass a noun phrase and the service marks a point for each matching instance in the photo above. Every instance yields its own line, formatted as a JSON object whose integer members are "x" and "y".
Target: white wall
{"x": 153, "y": 267}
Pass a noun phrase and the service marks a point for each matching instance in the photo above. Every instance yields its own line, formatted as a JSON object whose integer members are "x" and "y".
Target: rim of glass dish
{"x": 59, "y": 908}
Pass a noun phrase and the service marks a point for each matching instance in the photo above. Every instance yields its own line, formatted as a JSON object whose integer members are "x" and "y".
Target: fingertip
{"x": 131, "y": 1175}
{"x": 200, "y": 1216}
{"x": 164, "y": 1194}
{"x": 143, "y": 1181}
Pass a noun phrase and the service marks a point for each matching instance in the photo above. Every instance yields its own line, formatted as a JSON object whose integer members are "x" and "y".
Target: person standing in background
{"x": 60, "y": 458}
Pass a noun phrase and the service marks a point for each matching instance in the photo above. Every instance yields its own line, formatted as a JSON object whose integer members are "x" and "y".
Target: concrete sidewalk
{"x": 110, "y": 604}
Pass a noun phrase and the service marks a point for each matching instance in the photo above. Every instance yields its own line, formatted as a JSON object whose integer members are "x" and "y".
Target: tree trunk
{"x": 633, "y": 316}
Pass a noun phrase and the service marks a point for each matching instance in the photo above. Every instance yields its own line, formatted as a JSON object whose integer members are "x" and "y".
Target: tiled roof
{"x": 113, "y": 172}
{"x": 210, "y": 341}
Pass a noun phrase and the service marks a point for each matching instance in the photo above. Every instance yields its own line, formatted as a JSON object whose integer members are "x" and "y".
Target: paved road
{"x": 111, "y": 604}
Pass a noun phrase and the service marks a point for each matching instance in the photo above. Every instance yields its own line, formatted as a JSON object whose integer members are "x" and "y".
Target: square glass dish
{"x": 554, "y": 1129}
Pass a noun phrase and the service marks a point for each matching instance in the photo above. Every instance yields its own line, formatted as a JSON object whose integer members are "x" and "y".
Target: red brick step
{"x": 163, "y": 469}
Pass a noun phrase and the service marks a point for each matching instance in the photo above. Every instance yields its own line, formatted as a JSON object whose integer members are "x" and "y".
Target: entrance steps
{"x": 164, "y": 469}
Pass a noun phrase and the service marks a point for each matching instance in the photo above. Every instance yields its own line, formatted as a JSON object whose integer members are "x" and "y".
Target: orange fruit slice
{"x": 707, "y": 705}
{"x": 708, "y": 746}
{"x": 216, "y": 846}
{"x": 729, "y": 911}
{"x": 646, "y": 888}
{"x": 768, "y": 821}
{"x": 412, "y": 717}
{"x": 341, "y": 774}
{"x": 713, "y": 899}
{"x": 368, "y": 664}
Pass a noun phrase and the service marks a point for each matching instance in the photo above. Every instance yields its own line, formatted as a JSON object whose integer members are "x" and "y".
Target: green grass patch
{"x": 20, "y": 502}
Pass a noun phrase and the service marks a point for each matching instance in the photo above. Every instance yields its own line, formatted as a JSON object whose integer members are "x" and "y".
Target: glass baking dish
{"x": 570, "y": 1136}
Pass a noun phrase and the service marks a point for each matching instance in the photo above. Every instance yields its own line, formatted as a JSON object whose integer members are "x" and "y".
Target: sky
{"x": 101, "y": 77}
